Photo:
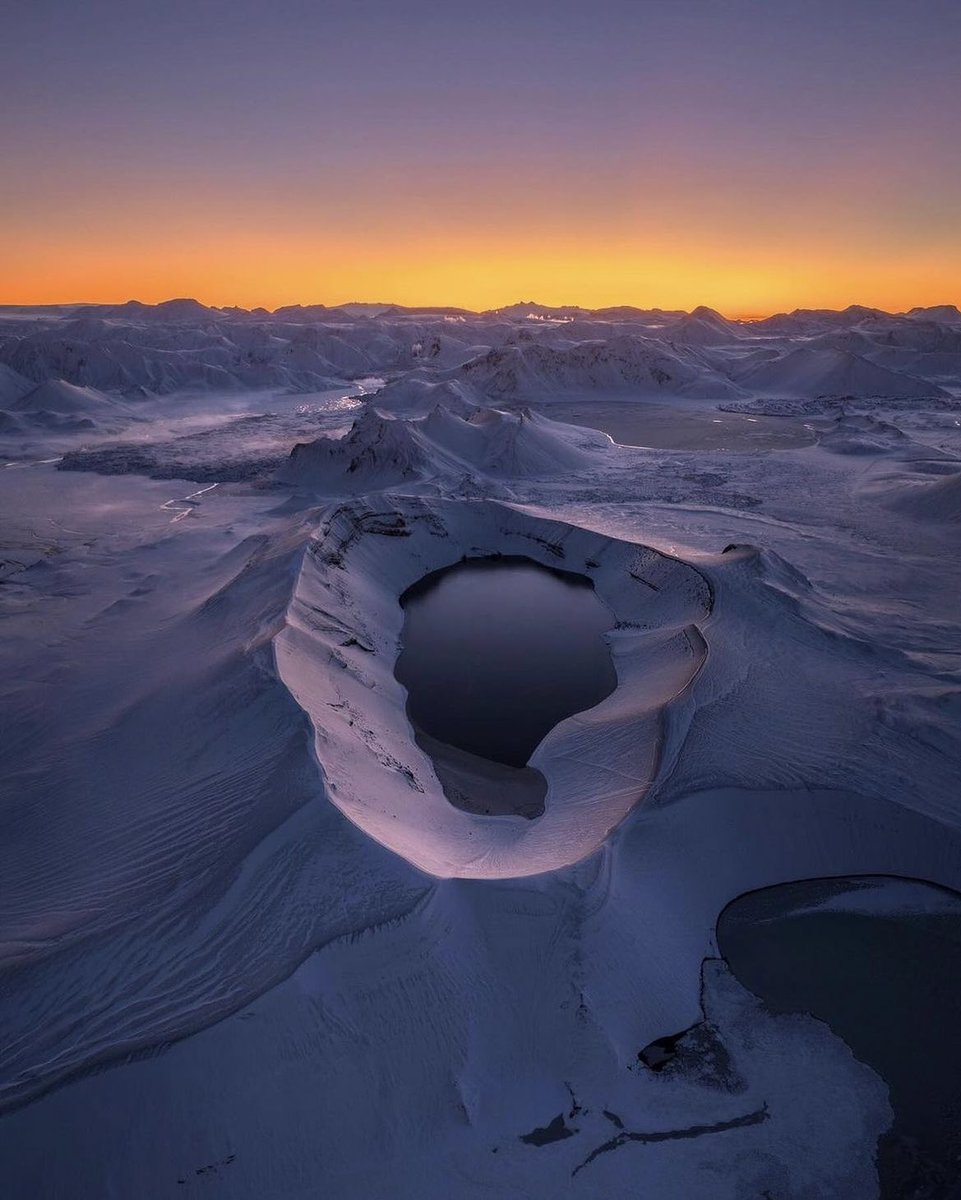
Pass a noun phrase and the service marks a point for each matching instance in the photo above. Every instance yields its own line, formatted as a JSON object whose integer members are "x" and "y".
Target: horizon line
{"x": 748, "y": 317}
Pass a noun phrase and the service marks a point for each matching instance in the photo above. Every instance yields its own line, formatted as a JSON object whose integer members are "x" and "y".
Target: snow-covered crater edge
{"x": 337, "y": 650}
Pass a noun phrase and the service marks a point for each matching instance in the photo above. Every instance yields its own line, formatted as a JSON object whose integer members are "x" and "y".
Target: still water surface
{"x": 497, "y": 651}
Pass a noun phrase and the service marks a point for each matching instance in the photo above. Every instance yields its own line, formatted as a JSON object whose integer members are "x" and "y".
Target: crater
{"x": 496, "y": 653}
{"x": 594, "y": 750}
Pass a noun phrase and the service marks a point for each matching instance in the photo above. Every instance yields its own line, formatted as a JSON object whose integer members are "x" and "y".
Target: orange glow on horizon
{"x": 449, "y": 243}
{"x": 249, "y": 273}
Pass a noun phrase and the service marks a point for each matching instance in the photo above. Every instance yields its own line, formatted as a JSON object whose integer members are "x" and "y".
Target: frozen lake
{"x": 878, "y": 961}
{"x": 677, "y": 427}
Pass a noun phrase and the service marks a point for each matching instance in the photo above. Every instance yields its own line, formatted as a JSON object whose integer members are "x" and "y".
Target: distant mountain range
{"x": 63, "y": 364}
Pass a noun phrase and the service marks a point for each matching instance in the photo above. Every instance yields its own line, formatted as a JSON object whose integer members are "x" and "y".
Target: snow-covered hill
{"x": 622, "y": 364}
{"x": 382, "y": 452}
{"x": 817, "y": 372}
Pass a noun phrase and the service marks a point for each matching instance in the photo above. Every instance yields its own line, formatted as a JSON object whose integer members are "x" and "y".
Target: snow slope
{"x": 645, "y": 367}
{"x": 815, "y": 372}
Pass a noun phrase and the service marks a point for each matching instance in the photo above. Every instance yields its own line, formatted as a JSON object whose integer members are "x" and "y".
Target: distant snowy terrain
{"x": 229, "y": 873}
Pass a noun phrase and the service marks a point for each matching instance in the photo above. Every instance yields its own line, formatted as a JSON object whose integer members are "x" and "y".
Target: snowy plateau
{"x": 250, "y": 949}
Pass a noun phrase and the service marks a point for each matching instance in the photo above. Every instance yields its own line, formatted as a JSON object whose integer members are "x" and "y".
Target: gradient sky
{"x": 752, "y": 155}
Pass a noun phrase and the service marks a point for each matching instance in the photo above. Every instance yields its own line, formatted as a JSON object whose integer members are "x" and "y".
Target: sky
{"x": 752, "y": 155}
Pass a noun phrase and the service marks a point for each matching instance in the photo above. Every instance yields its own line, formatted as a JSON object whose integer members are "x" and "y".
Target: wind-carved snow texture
{"x": 230, "y": 874}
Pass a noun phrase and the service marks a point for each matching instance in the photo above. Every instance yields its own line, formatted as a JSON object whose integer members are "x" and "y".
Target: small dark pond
{"x": 887, "y": 983}
{"x": 496, "y": 652}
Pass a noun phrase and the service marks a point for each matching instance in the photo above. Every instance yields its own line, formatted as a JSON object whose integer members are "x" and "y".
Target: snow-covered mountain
{"x": 381, "y": 452}
{"x": 814, "y": 371}
{"x": 622, "y": 364}
{"x": 522, "y": 352}
{"x": 946, "y": 314}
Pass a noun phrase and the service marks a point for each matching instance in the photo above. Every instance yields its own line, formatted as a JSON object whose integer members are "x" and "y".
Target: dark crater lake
{"x": 496, "y": 652}
{"x": 887, "y": 982}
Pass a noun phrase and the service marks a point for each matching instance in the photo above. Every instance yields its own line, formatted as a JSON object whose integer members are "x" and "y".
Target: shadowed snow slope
{"x": 57, "y": 396}
{"x": 703, "y": 327}
{"x": 12, "y": 386}
{"x": 57, "y": 406}
{"x": 180, "y": 796}
{"x": 927, "y": 489}
{"x": 812, "y": 372}
{"x": 934, "y": 499}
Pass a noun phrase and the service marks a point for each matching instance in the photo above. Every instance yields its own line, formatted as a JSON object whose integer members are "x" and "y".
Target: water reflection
{"x": 496, "y": 652}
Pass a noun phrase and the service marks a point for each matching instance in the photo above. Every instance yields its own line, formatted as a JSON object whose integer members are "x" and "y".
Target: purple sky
{"x": 452, "y": 144}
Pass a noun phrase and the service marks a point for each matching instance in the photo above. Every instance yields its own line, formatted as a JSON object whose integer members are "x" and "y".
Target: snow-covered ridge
{"x": 383, "y": 452}
{"x": 624, "y": 363}
{"x": 521, "y": 352}
{"x": 818, "y": 371}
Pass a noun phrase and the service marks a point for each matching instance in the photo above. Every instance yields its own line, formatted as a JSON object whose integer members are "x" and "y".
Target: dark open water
{"x": 496, "y": 652}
